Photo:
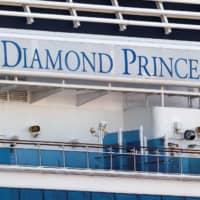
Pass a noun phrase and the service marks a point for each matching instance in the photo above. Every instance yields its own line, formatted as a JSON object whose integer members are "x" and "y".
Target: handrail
{"x": 195, "y": 2}
{"x": 106, "y": 9}
{"x": 97, "y": 146}
{"x": 151, "y": 159}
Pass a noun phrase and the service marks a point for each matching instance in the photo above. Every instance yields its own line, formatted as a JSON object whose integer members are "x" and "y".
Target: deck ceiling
{"x": 33, "y": 89}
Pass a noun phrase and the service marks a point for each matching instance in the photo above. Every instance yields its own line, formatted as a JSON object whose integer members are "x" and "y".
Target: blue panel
{"x": 9, "y": 194}
{"x": 5, "y": 155}
{"x": 150, "y": 197}
{"x": 125, "y": 197}
{"x": 79, "y": 196}
{"x": 96, "y": 160}
{"x": 31, "y": 194}
{"x": 185, "y": 165}
{"x": 5, "y": 194}
{"x": 174, "y": 165}
{"x": 27, "y": 157}
{"x": 110, "y": 138}
{"x": 55, "y": 195}
{"x": 76, "y": 159}
{"x": 52, "y": 158}
{"x": 194, "y": 165}
{"x": 102, "y": 196}
{"x": 131, "y": 138}
{"x": 158, "y": 142}
{"x": 151, "y": 163}
{"x": 156, "y": 163}
{"x": 172, "y": 198}
{"x": 28, "y": 194}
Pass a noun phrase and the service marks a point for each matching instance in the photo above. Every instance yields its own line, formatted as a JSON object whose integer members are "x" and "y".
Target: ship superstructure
{"x": 99, "y": 100}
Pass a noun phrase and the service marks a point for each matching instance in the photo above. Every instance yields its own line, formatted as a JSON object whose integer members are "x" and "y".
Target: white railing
{"x": 118, "y": 12}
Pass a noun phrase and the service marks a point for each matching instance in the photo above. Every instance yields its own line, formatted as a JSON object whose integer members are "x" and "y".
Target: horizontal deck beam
{"x": 99, "y": 181}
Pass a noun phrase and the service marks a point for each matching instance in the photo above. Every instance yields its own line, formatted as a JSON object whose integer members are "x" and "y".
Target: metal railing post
{"x": 135, "y": 164}
{"x": 15, "y": 155}
{"x": 111, "y": 158}
{"x": 87, "y": 158}
{"x": 63, "y": 155}
{"x": 181, "y": 165}
{"x": 40, "y": 156}
{"x": 158, "y": 160}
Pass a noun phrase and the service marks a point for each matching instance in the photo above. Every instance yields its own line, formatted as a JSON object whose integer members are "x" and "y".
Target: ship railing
{"x": 100, "y": 157}
{"x": 114, "y": 13}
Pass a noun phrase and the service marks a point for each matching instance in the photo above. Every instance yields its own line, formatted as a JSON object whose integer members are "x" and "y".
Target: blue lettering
{"x": 53, "y": 63}
{"x": 127, "y": 60}
{"x": 18, "y": 51}
{"x": 165, "y": 66}
{"x": 143, "y": 62}
{"x": 103, "y": 57}
{"x": 154, "y": 66}
{"x": 76, "y": 56}
{"x": 36, "y": 59}
{"x": 176, "y": 65}
{"x": 88, "y": 61}
{"x": 25, "y": 57}
{"x": 193, "y": 68}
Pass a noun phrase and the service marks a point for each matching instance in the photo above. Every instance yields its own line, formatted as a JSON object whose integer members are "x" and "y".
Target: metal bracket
{"x": 30, "y": 20}
{"x": 38, "y": 95}
{"x": 119, "y": 15}
{"x": 88, "y": 97}
{"x": 73, "y": 12}
{"x": 164, "y": 18}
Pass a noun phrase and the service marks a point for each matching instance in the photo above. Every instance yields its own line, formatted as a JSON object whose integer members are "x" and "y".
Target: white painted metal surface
{"x": 159, "y": 122}
{"x": 111, "y": 46}
{"x": 99, "y": 181}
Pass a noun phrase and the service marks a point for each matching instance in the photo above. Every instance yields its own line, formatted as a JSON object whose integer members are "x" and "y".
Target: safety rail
{"x": 118, "y": 13}
{"x": 105, "y": 157}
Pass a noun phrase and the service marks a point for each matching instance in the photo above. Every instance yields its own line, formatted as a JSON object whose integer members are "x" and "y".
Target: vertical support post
{"x": 147, "y": 101}
{"x": 119, "y": 15}
{"x": 145, "y": 145}
{"x": 87, "y": 158}
{"x": 190, "y": 102}
{"x": 30, "y": 20}
{"x": 15, "y": 155}
{"x": 181, "y": 165}
{"x": 162, "y": 97}
{"x": 141, "y": 140}
{"x": 135, "y": 159}
{"x": 63, "y": 155}
{"x": 164, "y": 18}
{"x": 40, "y": 156}
{"x": 111, "y": 158}
{"x": 120, "y": 143}
{"x": 120, "y": 139}
{"x": 158, "y": 161}
{"x": 74, "y": 13}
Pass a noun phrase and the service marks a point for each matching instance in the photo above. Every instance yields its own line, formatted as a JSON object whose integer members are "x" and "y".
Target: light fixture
{"x": 34, "y": 130}
{"x": 100, "y": 132}
{"x": 189, "y": 135}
